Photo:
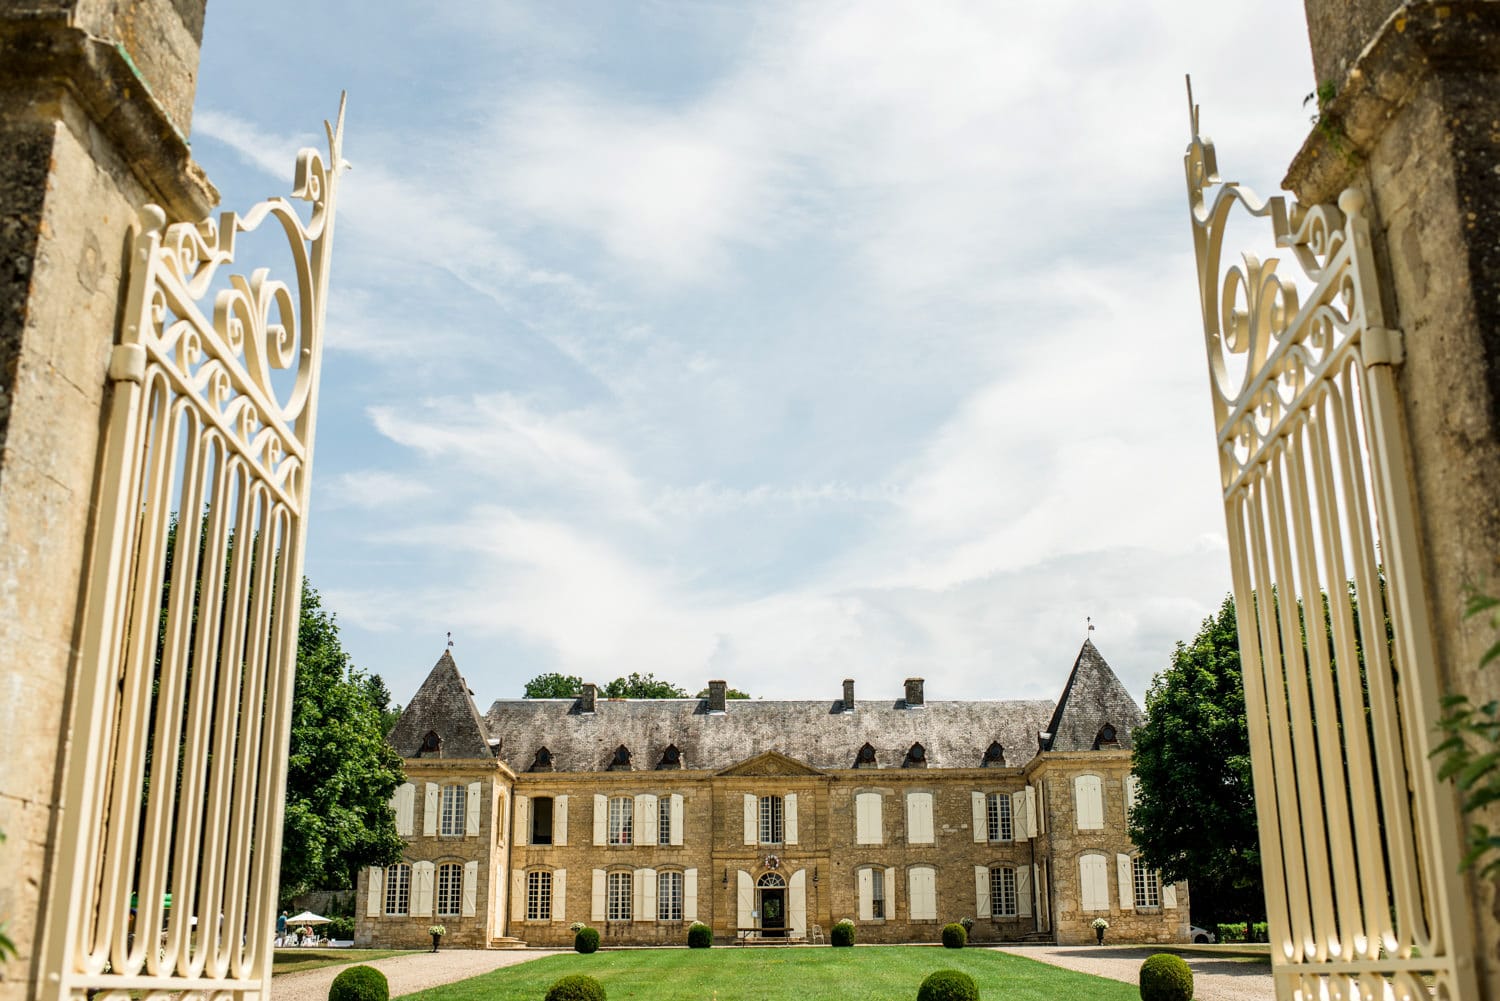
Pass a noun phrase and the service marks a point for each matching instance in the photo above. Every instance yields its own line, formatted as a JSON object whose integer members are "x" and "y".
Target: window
{"x": 771, "y": 811}
{"x": 541, "y": 820}
{"x": 664, "y": 820}
{"x": 539, "y": 896}
{"x": 919, "y": 818}
{"x": 998, "y": 816}
{"x": 922, "y": 888}
{"x": 869, "y": 828}
{"x": 398, "y": 888}
{"x": 453, "y": 810}
{"x": 1003, "y": 892}
{"x": 621, "y": 817}
{"x": 1088, "y": 799}
{"x": 450, "y": 889}
{"x": 669, "y": 896}
{"x": 877, "y": 894}
{"x": 1147, "y": 886}
{"x": 1093, "y": 882}
{"x": 618, "y": 899}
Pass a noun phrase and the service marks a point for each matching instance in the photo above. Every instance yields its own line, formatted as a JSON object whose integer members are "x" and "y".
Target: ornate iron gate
{"x": 166, "y": 871}
{"x": 1357, "y": 835}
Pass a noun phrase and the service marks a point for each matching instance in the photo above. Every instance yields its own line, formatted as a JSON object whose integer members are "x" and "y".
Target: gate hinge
{"x": 1382, "y": 346}
{"x": 127, "y": 363}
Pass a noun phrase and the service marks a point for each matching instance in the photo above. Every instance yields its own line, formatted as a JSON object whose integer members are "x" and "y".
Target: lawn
{"x": 297, "y": 960}
{"x": 865, "y": 973}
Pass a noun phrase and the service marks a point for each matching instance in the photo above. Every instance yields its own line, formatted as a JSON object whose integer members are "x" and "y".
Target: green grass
{"x": 865, "y": 973}
{"x": 298, "y": 960}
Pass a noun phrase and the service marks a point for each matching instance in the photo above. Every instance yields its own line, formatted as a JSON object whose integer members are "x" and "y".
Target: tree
{"x": 341, "y": 773}
{"x": 632, "y": 686}
{"x": 1194, "y": 816}
{"x": 729, "y": 693}
{"x": 554, "y": 686}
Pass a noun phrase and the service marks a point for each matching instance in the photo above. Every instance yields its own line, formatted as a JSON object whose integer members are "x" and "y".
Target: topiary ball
{"x": 948, "y": 985}
{"x": 359, "y": 983}
{"x": 954, "y": 936}
{"x": 1166, "y": 978}
{"x": 577, "y": 987}
{"x": 586, "y": 941}
{"x": 842, "y": 936}
{"x": 700, "y": 936}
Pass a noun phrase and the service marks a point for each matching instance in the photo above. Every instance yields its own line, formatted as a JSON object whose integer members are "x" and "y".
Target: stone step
{"x": 507, "y": 942}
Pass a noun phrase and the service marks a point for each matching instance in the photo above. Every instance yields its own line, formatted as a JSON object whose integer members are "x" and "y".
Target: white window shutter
{"x": 597, "y": 913}
{"x": 522, "y": 834}
{"x": 1088, "y": 801}
{"x": 789, "y": 818}
{"x": 471, "y": 806}
{"x": 981, "y": 819}
{"x": 405, "y": 803}
{"x": 690, "y": 894}
{"x": 1031, "y": 824}
{"x": 745, "y": 911}
{"x": 752, "y": 820}
{"x": 877, "y": 817}
{"x": 1023, "y": 891}
{"x": 921, "y": 894}
{"x": 560, "y": 895}
{"x": 1127, "y": 882}
{"x": 421, "y": 889}
{"x": 868, "y": 826}
{"x": 796, "y": 904}
{"x": 1041, "y": 802}
{"x": 601, "y": 821}
{"x": 866, "y": 894}
{"x": 430, "y": 810}
{"x": 374, "y": 906}
{"x": 1131, "y": 790}
{"x": 1018, "y": 818}
{"x": 919, "y": 818}
{"x": 560, "y": 821}
{"x": 649, "y": 833}
{"x": 676, "y": 818}
{"x": 1093, "y": 873}
{"x": 981, "y": 891}
{"x": 645, "y": 894}
{"x": 1169, "y": 894}
{"x": 517, "y": 896}
{"x": 470, "y": 888}
{"x": 890, "y": 894}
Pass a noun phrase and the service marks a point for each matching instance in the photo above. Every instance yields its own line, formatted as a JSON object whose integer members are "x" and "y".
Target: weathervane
{"x": 450, "y": 640}
{"x": 1087, "y": 618}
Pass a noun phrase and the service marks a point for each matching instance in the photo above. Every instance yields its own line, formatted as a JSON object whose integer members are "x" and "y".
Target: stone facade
{"x": 767, "y": 818}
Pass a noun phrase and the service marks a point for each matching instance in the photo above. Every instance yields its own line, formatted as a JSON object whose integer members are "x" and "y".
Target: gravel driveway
{"x": 1215, "y": 978}
{"x": 406, "y": 974}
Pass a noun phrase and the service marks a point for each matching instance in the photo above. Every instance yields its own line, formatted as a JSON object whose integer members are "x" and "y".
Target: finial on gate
{"x": 1192, "y": 108}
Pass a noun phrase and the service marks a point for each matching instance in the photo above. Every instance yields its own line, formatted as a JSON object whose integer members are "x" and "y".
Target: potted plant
{"x": 1099, "y": 928}
{"x": 437, "y": 932}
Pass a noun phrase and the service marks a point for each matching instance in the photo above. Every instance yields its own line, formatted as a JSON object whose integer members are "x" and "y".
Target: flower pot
{"x": 1098, "y": 934}
{"x": 438, "y": 938}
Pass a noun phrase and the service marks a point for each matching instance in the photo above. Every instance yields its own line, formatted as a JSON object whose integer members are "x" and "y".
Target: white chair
{"x": 816, "y": 934}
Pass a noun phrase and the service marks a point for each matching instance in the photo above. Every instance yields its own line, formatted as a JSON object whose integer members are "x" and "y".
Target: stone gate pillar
{"x": 95, "y": 103}
{"x": 1411, "y": 115}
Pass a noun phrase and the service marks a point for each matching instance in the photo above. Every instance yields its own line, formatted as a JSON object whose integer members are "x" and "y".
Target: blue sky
{"x": 779, "y": 343}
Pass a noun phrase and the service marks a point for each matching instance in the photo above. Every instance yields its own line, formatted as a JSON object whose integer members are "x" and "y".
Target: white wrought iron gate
{"x": 166, "y": 872}
{"x": 1357, "y": 836}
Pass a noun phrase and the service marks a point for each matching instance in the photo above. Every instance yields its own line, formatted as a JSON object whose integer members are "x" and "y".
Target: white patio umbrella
{"x": 307, "y": 918}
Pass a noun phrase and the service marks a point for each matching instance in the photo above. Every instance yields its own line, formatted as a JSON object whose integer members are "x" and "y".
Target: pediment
{"x": 771, "y": 763}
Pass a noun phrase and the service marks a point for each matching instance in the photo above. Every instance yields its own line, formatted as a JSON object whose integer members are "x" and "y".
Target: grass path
{"x": 865, "y": 973}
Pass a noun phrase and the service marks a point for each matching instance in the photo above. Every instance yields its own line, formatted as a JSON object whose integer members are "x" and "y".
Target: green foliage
{"x": 842, "y": 935}
{"x": 359, "y": 983}
{"x": 1233, "y": 931}
{"x": 1166, "y": 978}
{"x": 554, "y": 686}
{"x": 729, "y": 693}
{"x": 1470, "y": 750}
{"x": 341, "y": 927}
{"x": 948, "y": 985}
{"x": 586, "y": 941}
{"x": 341, "y": 773}
{"x": 642, "y": 686}
{"x": 1194, "y": 816}
{"x": 954, "y": 936}
{"x": 1260, "y": 931}
{"x": 578, "y": 987}
{"x": 700, "y": 936}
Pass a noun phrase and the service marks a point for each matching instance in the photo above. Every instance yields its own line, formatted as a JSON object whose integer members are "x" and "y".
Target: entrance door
{"x": 773, "y": 913}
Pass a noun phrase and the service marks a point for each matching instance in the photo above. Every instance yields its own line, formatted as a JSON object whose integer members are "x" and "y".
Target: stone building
{"x": 766, "y": 818}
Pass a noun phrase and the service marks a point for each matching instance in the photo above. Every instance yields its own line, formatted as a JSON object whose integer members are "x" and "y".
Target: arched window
{"x": 397, "y": 889}
{"x": 671, "y": 757}
{"x": 669, "y": 895}
{"x": 865, "y": 758}
{"x": 1106, "y": 736}
{"x": 770, "y": 880}
{"x": 450, "y": 889}
{"x": 916, "y": 756}
{"x": 543, "y": 762}
{"x": 994, "y": 754}
{"x": 432, "y": 743}
{"x": 621, "y": 760}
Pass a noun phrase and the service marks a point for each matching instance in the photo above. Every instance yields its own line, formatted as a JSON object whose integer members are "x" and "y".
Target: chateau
{"x": 766, "y": 818}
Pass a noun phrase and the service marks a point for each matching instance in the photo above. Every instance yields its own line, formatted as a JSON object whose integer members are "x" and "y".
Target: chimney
{"x": 716, "y": 690}
{"x": 913, "y": 693}
{"x": 586, "y": 700}
{"x": 848, "y": 695}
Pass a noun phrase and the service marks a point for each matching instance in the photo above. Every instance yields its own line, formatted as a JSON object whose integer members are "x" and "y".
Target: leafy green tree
{"x": 729, "y": 693}
{"x": 642, "y": 686}
{"x": 1194, "y": 815}
{"x": 341, "y": 773}
{"x": 554, "y": 686}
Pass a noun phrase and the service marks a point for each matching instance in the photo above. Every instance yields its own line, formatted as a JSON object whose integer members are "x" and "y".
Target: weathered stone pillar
{"x": 95, "y": 101}
{"x": 1414, "y": 121}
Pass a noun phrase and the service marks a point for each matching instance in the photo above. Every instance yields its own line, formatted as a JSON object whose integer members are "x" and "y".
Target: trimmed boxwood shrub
{"x": 842, "y": 935}
{"x": 359, "y": 983}
{"x": 577, "y": 987}
{"x": 1166, "y": 978}
{"x": 700, "y": 936}
{"x": 586, "y": 941}
{"x": 1232, "y": 932}
{"x": 948, "y": 985}
{"x": 954, "y": 936}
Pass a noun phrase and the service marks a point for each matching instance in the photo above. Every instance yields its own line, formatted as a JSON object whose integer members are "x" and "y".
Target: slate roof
{"x": 443, "y": 705}
{"x": 1092, "y": 698}
{"x": 953, "y": 734}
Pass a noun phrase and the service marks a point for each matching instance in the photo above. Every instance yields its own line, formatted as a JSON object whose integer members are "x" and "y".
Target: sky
{"x": 774, "y": 342}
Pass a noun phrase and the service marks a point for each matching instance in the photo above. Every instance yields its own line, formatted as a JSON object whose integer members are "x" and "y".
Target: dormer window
{"x": 1106, "y": 736}
{"x": 916, "y": 756}
{"x": 543, "y": 761}
{"x": 865, "y": 758}
{"x": 994, "y": 755}
{"x": 432, "y": 743}
{"x": 671, "y": 757}
{"x": 621, "y": 759}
